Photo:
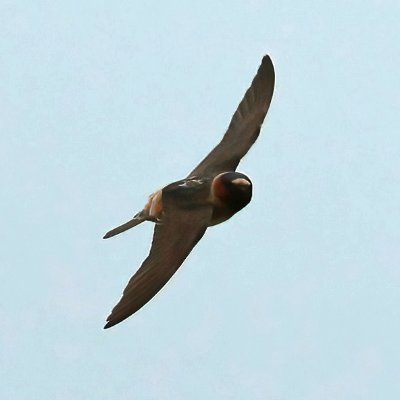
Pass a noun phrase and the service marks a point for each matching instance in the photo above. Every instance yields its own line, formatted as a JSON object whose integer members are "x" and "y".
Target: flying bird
{"x": 183, "y": 210}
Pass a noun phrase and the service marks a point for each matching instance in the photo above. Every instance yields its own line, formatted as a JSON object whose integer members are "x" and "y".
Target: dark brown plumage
{"x": 211, "y": 194}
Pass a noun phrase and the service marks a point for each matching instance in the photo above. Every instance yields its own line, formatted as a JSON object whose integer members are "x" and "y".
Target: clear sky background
{"x": 296, "y": 297}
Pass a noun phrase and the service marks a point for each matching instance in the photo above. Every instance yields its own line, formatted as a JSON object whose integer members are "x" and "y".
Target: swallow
{"x": 212, "y": 193}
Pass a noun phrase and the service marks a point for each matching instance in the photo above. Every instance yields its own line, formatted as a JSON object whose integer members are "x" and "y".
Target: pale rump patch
{"x": 154, "y": 206}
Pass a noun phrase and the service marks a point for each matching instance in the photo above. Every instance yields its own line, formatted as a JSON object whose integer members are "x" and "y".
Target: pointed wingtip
{"x": 108, "y": 325}
{"x": 266, "y": 58}
{"x": 267, "y": 62}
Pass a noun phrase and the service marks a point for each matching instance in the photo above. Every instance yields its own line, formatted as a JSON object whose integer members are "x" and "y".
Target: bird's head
{"x": 234, "y": 189}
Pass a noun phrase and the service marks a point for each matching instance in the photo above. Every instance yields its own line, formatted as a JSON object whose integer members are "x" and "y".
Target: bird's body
{"x": 211, "y": 194}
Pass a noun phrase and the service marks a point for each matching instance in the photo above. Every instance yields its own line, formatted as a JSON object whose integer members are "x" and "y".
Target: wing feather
{"x": 245, "y": 125}
{"x": 173, "y": 240}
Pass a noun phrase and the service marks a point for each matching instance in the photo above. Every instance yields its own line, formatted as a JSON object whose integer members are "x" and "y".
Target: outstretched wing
{"x": 173, "y": 240}
{"x": 245, "y": 124}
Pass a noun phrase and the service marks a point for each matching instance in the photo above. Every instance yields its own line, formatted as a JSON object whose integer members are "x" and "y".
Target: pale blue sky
{"x": 297, "y": 297}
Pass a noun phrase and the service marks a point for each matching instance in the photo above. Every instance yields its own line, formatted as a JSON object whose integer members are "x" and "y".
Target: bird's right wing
{"x": 245, "y": 124}
{"x": 173, "y": 240}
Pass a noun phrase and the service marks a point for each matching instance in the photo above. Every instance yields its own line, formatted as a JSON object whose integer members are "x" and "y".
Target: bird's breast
{"x": 220, "y": 214}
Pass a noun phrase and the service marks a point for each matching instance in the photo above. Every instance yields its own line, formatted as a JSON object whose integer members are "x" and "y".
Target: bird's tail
{"x": 136, "y": 220}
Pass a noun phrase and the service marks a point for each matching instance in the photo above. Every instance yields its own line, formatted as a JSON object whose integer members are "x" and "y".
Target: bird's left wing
{"x": 245, "y": 124}
{"x": 173, "y": 240}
